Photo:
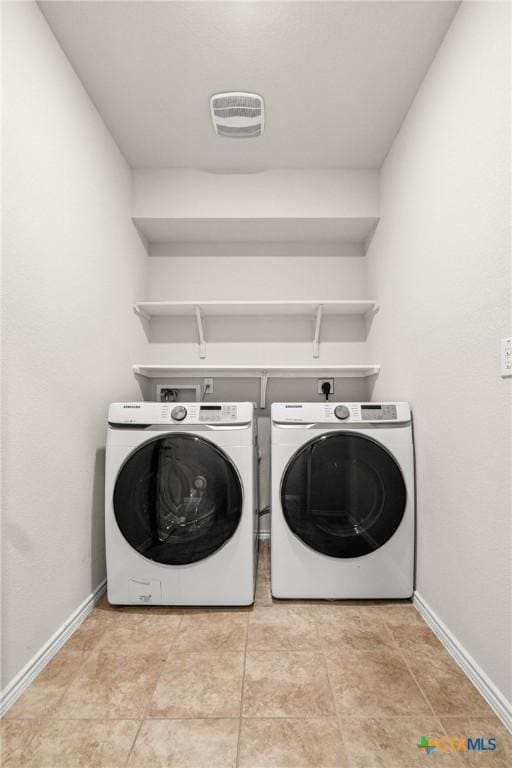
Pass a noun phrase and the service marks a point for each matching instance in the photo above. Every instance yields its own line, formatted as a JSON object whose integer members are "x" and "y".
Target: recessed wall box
{"x": 178, "y": 392}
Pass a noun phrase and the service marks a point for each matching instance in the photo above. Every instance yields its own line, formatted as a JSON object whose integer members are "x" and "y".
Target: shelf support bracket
{"x": 318, "y": 326}
{"x": 370, "y": 313}
{"x": 200, "y": 331}
{"x": 141, "y": 313}
{"x": 263, "y": 388}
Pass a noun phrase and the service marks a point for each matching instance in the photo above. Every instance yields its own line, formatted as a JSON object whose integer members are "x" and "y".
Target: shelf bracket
{"x": 140, "y": 312}
{"x": 263, "y": 388}
{"x": 200, "y": 331}
{"x": 318, "y": 325}
{"x": 370, "y": 313}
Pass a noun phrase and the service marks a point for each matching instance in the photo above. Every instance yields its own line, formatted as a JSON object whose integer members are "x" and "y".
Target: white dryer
{"x": 181, "y": 503}
{"x": 342, "y": 500}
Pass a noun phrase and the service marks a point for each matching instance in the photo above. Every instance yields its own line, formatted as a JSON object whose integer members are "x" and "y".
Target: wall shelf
{"x": 261, "y": 372}
{"x": 167, "y": 229}
{"x": 200, "y": 310}
{"x": 255, "y": 308}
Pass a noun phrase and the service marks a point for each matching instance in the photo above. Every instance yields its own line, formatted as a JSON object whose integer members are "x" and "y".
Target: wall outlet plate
{"x": 506, "y": 356}
{"x": 321, "y": 381}
{"x": 208, "y": 386}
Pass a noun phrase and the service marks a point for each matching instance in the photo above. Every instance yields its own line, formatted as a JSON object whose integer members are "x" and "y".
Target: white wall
{"x": 257, "y": 271}
{"x": 440, "y": 266}
{"x": 272, "y": 340}
{"x": 73, "y": 265}
{"x": 277, "y": 192}
{"x": 277, "y": 204}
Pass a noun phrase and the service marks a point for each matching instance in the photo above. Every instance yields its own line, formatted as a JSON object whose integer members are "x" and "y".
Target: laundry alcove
{"x": 363, "y": 238}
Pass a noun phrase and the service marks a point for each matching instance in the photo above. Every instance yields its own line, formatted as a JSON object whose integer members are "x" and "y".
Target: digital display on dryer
{"x": 371, "y": 412}
{"x": 210, "y": 407}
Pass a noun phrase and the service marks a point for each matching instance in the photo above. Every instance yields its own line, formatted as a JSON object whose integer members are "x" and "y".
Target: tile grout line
{"x": 86, "y": 655}
{"x": 128, "y": 756}
{"x": 150, "y": 697}
{"x": 229, "y": 717}
{"x": 420, "y": 688}
{"x": 37, "y": 725}
{"x": 346, "y": 750}
{"x": 438, "y": 716}
{"x": 395, "y": 645}
{"x": 237, "y": 756}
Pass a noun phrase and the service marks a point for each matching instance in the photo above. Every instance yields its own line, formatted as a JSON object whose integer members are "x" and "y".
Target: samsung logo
{"x": 293, "y": 406}
{"x": 131, "y": 406}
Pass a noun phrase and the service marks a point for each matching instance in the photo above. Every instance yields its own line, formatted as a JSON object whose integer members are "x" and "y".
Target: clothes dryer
{"x": 342, "y": 522}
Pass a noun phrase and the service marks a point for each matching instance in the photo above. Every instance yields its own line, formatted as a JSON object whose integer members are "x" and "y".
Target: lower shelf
{"x": 263, "y": 372}
{"x": 251, "y": 371}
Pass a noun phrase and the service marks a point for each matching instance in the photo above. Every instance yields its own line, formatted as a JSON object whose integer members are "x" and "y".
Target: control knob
{"x": 341, "y": 412}
{"x": 178, "y": 413}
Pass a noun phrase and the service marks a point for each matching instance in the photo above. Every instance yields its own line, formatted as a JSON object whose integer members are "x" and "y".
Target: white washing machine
{"x": 181, "y": 503}
{"x": 342, "y": 500}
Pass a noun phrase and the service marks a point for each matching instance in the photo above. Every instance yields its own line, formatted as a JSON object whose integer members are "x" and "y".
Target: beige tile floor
{"x": 278, "y": 685}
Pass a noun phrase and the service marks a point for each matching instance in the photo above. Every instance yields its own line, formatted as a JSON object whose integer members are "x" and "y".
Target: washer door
{"x": 343, "y": 495}
{"x": 178, "y": 499}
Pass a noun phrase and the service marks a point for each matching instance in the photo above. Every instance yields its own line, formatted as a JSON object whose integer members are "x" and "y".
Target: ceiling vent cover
{"x": 237, "y": 115}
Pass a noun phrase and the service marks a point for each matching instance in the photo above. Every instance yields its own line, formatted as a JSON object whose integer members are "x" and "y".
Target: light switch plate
{"x": 506, "y": 356}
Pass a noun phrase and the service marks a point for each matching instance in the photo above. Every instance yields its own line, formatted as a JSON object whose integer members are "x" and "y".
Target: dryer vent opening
{"x": 237, "y": 114}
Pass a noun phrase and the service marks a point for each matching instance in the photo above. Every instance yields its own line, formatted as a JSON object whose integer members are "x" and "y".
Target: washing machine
{"x": 342, "y": 523}
{"x": 181, "y": 503}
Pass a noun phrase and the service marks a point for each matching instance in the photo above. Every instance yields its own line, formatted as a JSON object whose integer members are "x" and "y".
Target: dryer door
{"x": 178, "y": 499}
{"x": 343, "y": 494}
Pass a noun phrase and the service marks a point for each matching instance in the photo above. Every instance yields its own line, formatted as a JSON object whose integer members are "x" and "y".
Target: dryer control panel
{"x": 340, "y": 413}
{"x": 180, "y": 413}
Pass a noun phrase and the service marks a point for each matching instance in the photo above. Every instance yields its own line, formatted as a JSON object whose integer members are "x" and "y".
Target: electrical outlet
{"x": 208, "y": 386}
{"x": 322, "y": 381}
{"x": 506, "y": 356}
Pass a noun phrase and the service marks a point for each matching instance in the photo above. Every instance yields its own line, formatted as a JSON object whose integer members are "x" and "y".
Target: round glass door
{"x": 343, "y": 495}
{"x": 178, "y": 499}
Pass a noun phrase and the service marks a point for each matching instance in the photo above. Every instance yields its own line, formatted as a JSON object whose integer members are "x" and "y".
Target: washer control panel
{"x": 328, "y": 413}
{"x": 180, "y": 413}
{"x": 218, "y": 413}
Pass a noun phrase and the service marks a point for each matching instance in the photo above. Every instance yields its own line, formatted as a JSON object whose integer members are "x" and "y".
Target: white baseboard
{"x": 496, "y": 700}
{"x": 15, "y": 688}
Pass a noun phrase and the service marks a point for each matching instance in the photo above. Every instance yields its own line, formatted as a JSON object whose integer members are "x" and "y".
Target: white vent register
{"x": 237, "y": 114}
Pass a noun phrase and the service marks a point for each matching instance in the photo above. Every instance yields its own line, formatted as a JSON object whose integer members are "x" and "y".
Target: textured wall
{"x": 440, "y": 266}
{"x": 73, "y": 264}
{"x": 277, "y": 192}
{"x": 272, "y": 340}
